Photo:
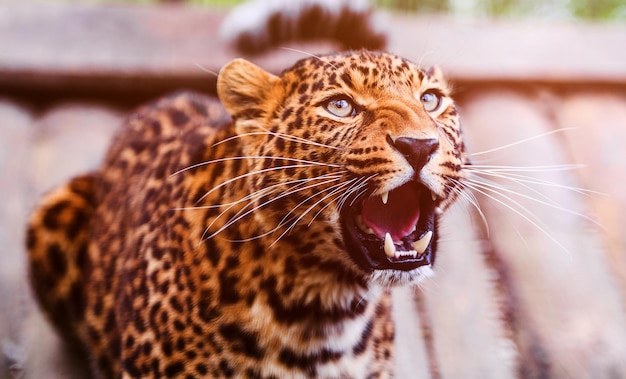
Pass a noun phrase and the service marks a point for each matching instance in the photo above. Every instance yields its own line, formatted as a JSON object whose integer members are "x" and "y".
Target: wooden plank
{"x": 37, "y": 154}
{"x": 597, "y": 142}
{"x": 122, "y": 48}
{"x": 469, "y": 340}
{"x": 15, "y": 137}
{"x": 90, "y": 48}
{"x": 509, "y": 51}
{"x": 568, "y": 306}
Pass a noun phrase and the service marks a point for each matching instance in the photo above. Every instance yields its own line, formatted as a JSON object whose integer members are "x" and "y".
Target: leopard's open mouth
{"x": 394, "y": 231}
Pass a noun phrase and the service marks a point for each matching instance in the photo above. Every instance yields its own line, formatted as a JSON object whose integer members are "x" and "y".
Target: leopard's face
{"x": 362, "y": 148}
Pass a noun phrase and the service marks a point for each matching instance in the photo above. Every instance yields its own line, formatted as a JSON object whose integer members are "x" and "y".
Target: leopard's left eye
{"x": 431, "y": 101}
{"x": 341, "y": 106}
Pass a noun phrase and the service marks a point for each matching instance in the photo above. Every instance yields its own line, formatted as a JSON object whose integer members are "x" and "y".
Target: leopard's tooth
{"x": 362, "y": 226}
{"x": 390, "y": 249}
{"x": 421, "y": 245}
{"x": 410, "y": 253}
{"x": 433, "y": 196}
{"x": 385, "y": 197}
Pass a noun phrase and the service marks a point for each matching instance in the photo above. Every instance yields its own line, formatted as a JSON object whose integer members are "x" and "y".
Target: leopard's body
{"x": 218, "y": 239}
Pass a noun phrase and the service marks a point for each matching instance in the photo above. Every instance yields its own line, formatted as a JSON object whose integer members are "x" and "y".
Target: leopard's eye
{"x": 431, "y": 101}
{"x": 341, "y": 106}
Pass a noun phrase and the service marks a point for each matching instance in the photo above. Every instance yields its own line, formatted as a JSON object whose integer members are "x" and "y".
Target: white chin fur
{"x": 397, "y": 278}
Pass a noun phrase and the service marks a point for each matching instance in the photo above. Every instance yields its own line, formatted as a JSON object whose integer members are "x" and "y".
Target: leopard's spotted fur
{"x": 140, "y": 263}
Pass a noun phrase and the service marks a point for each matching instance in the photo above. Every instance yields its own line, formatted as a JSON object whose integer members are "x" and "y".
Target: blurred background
{"x": 538, "y": 290}
{"x": 602, "y": 10}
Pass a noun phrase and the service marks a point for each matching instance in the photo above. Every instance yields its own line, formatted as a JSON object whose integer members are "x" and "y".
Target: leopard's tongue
{"x": 398, "y": 217}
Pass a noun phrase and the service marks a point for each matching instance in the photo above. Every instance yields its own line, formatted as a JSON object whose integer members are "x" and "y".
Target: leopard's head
{"x": 359, "y": 151}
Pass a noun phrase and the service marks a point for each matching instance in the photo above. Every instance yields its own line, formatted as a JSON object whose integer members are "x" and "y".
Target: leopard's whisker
{"x": 284, "y": 221}
{"x": 223, "y": 212}
{"x": 356, "y": 187}
{"x": 241, "y": 214}
{"x": 495, "y": 187}
{"x": 321, "y": 59}
{"x": 359, "y": 193}
{"x": 252, "y": 173}
{"x": 338, "y": 185}
{"x": 230, "y": 204}
{"x": 340, "y": 200}
{"x": 542, "y": 135}
{"x": 295, "y": 187}
{"x": 244, "y": 157}
{"x": 328, "y": 203}
{"x": 279, "y": 135}
{"x": 201, "y": 67}
{"x": 521, "y": 211}
{"x": 518, "y": 178}
{"x": 237, "y": 218}
{"x": 485, "y": 180}
{"x": 252, "y": 197}
{"x": 469, "y": 197}
{"x": 259, "y": 193}
{"x": 543, "y": 168}
{"x": 358, "y": 190}
{"x": 301, "y": 216}
{"x": 524, "y": 183}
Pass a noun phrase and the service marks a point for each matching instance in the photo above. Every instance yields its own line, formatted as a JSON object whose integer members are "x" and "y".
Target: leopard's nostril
{"x": 417, "y": 151}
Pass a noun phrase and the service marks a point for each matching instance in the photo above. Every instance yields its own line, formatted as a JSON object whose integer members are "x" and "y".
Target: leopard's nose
{"x": 417, "y": 151}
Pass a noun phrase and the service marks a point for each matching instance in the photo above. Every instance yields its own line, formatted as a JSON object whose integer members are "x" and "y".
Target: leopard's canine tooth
{"x": 421, "y": 244}
{"x": 390, "y": 249}
{"x": 385, "y": 197}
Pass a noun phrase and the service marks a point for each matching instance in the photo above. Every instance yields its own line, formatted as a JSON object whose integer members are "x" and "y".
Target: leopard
{"x": 257, "y": 234}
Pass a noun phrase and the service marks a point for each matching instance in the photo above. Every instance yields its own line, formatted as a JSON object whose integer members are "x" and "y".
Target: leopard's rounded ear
{"x": 246, "y": 90}
{"x": 436, "y": 73}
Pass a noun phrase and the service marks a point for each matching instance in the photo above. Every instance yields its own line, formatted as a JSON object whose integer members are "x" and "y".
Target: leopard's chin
{"x": 395, "y": 231}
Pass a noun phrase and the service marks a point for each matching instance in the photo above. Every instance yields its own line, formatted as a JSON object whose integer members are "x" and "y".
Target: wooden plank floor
{"x": 569, "y": 281}
{"x": 549, "y": 289}
{"x": 130, "y": 51}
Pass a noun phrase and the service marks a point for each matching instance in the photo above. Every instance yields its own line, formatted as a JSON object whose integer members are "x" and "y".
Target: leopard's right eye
{"x": 431, "y": 100}
{"x": 341, "y": 106}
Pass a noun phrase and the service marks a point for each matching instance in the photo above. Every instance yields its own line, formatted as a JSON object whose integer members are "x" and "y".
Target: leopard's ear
{"x": 436, "y": 73}
{"x": 246, "y": 90}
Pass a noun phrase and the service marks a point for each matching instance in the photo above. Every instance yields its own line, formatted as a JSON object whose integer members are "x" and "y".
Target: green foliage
{"x": 439, "y": 6}
{"x": 602, "y": 10}
{"x": 599, "y": 9}
{"x": 555, "y": 9}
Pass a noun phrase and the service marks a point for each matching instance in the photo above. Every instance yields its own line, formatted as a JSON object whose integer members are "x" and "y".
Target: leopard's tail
{"x": 57, "y": 242}
{"x": 259, "y": 26}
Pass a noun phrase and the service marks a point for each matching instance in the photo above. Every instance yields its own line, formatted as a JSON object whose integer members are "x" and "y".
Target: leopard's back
{"x": 75, "y": 238}
{"x": 57, "y": 241}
